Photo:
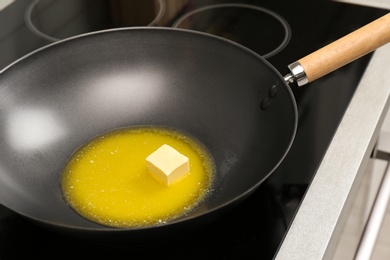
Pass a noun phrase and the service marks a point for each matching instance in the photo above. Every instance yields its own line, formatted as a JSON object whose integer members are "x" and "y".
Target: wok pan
{"x": 226, "y": 96}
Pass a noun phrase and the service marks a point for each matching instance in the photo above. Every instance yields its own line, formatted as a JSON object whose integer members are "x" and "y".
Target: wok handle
{"x": 341, "y": 52}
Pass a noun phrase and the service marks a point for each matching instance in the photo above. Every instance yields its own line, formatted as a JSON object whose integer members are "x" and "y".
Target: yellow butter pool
{"x": 107, "y": 181}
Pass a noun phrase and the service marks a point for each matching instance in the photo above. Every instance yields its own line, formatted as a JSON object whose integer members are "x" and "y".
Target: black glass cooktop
{"x": 255, "y": 228}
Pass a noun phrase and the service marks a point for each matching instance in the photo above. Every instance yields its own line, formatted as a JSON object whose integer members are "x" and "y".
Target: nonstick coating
{"x": 56, "y": 99}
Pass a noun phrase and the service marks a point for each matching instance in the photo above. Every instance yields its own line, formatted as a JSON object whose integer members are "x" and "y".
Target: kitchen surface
{"x": 318, "y": 204}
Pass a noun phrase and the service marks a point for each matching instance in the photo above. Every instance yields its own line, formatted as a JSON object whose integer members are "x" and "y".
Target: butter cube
{"x": 167, "y": 165}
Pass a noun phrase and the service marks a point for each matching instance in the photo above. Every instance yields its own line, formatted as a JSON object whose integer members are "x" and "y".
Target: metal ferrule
{"x": 297, "y": 74}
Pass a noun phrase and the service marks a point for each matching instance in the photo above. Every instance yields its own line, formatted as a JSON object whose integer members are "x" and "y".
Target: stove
{"x": 281, "y": 31}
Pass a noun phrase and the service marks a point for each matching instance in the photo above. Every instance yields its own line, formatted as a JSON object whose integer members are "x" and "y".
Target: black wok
{"x": 230, "y": 99}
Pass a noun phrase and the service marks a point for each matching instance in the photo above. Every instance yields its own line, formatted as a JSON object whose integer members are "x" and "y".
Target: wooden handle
{"x": 347, "y": 49}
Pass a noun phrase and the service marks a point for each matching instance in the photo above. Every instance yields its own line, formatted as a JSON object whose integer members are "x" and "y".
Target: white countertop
{"x": 316, "y": 227}
{"x": 383, "y": 4}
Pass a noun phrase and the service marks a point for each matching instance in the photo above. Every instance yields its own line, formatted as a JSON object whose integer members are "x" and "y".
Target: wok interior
{"x": 57, "y": 99}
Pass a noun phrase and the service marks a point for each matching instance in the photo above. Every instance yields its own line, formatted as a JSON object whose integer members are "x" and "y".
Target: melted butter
{"x": 107, "y": 181}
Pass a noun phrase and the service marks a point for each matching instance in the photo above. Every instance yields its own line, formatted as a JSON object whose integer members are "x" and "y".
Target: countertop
{"x": 316, "y": 227}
